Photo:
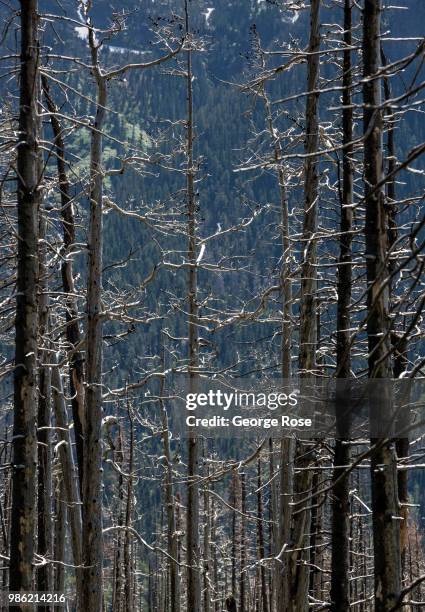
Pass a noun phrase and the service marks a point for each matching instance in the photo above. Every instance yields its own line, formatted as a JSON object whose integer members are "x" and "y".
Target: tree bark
{"x": 172, "y": 540}
{"x": 44, "y": 530}
{"x": 386, "y": 529}
{"x": 69, "y": 474}
{"x": 26, "y": 349}
{"x": 243, "y": 580}
{"x": 129, "y": 595}
{"x": 192, "y": 527}
{"x": 308, "y": 330}
{"x": 73, "y": 335}
{"x": 298, "y": 558}
{"x": 261, "y": 546}
{"x": 340, "y": 583}
{"x": 59, "y": 539}
{"x": 92, "y": 585}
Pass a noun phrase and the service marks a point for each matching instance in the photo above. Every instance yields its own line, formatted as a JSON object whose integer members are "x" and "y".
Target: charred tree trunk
{"x": 261, "y": 546}
{"x": 298, "y": 558}
{"x": 386, "y": 529}
{"x": 73, "y": 335}
{"x": 233, "y": 533}
{"x": 192, "y": 527}
{"x": 399, "y": 344}
{"x": 92, "y": 586}
{"x": 59, "y": 539}
{"x": 44, "y": 527}
{"x": 340, "y": 583}
{"x": 69, "y": 474}
{"x": 26, "y": 350}
{"x": 243, "y": 580}
{"x": 308, "y": 332}
{"x": 128, "y": 566}
{"x": 172, "y": 542}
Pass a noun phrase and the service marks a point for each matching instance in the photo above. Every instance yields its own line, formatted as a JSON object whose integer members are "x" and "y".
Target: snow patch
{"x": 82, "y": 32}
{"x": 208, "y": 14}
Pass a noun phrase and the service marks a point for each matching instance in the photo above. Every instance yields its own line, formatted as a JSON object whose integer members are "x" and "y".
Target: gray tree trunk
{"x": 26, "y": 350}
{"x": 172, "y": 540}
{"x": 92, "y": 585}
{"x": 296, "y": 592}
{"x": 340, "y": 583}
{"x": 386, "y": 527}
{"x": 69, "y": 473}
{"x": 44, "y": 527}
{"x": 59, "y": 539}
{"x": 192, "y": 526}
{"x": 73, "y": 335}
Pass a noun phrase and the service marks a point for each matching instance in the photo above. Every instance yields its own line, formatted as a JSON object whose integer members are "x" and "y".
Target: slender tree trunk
{"x": 172, "y": 541}
{"x": 117, "y": 593}
{"x": 308, "y": 330}
{"x": 128, "y": 573}
{"x": 69, "y": 473}
{"x": 73, "y": 335}
{"x": 92, "y": 587}
{"x": 206, "y": 549}
{"x": 59, "y": 539}
{"x": 44, "y": 531}
{"x": 399, "y": 345}
{"x": 298, "y": 558}
{"x": 280, "y": 591}
{"x": 243, "y": 580}
{"x": 192, "y": 527}
{"x": 261, "y": 546}
{"x": 234, "y": 485}
{"x": 26, "y": 350}
{"x": 340, "y": 583}
{"x": 386, "y": 529}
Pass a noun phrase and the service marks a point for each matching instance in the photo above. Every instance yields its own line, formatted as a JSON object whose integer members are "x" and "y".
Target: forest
{"x": 204, "y": 202}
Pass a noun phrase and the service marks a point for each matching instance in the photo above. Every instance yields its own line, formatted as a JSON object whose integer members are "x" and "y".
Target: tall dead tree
{"x": 308, "y": 324}
{"x": 340, "y": 584}
{"x": 296, "y": 589}
{"x": 386, "y": 528}
{"x": 73, "y": 334}
{"x": 399, "y": 343}
{"x": 193, "y": 544}
{"x": 92, "y": 584}
{"x": 26, "y": 349}
{"x": 68, "y": 477}
{"x": 44, "y": 422}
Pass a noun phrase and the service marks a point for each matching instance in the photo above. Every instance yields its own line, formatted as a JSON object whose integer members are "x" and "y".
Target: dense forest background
{"x": 241, "y": 87}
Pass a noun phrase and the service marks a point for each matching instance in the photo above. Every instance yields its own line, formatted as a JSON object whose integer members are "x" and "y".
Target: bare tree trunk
{"x": 279, "y": 589}
{"x": 73, "y": 335}
{"x": 206, "y": 549}
{"x": 192, "y": 527}
{"x": 118, "y": 553}
{"x": 298, "y": 558}
{"x": 44, "y": 531}
{"x": 231, "y": 604}
{"x": 340, "y": 584}
{"x": 92, "y": 586}
{"x": 243, "y": 580}
{"x": 234, "y": 485}
{"x": 308, "y": 330}
{"x": 26, "y": 349}
{"x": 59, "y": 539}
{"x": 399, "y": 345}
{"x": 69, "y": 474}
{"x": 128, "y": 573}
{"x": 172, "y": 540}
{"x": 261, "y": 546}
{"x": 386, "y": 529}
